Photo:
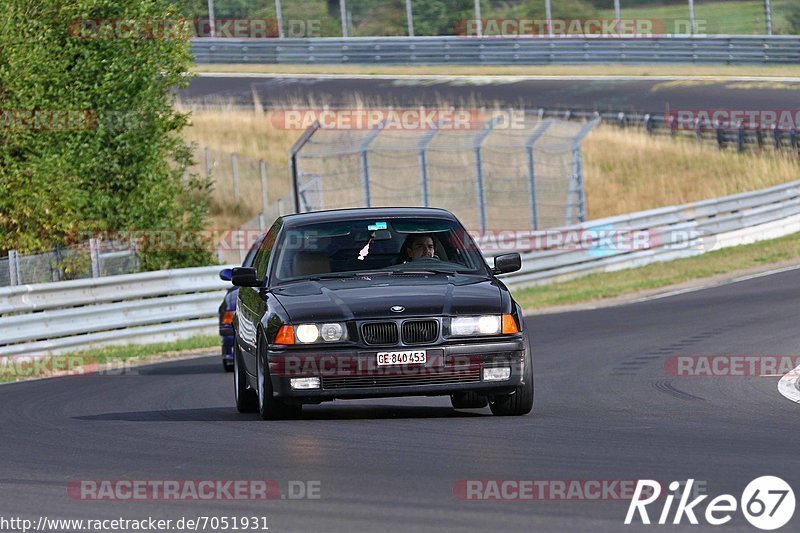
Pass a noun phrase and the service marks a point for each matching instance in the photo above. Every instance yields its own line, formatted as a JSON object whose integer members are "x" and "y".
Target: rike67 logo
{"x": 767, "y": 503}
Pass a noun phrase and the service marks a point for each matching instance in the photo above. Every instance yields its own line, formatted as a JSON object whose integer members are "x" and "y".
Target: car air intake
{"x": 420, "y": 331}
{"x": 379, "y": 333}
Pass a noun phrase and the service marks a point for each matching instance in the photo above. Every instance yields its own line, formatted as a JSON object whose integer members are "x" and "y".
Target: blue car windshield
{"x": 391, "y": 245}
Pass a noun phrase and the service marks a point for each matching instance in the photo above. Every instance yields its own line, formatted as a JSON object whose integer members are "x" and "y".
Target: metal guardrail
{"x": 454, "y": 50}
{"x": 673, "y": 232}
{"x": 134, "y": 308}
{"x": 725, "y": 134}
{"x": 159, "y": 306}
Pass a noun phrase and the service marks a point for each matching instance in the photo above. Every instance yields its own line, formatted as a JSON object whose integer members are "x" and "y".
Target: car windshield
{"x": 390, "y": 246}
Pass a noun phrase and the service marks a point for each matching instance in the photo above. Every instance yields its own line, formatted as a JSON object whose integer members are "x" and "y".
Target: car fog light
{"x": 304, "y": 383}
{"x": 496, "y": 374}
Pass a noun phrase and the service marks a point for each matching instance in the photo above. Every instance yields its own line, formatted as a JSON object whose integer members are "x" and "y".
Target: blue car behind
{"x": 227, "y": 309}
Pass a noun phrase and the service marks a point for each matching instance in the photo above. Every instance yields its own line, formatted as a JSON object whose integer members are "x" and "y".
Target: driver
{"x": 418, "y": 245}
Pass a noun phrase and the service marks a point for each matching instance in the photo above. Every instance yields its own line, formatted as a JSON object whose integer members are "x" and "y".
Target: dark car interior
{"x": 307, "y": 254}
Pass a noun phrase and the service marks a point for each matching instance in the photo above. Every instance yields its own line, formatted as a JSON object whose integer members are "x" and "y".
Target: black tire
{"x": 468, "y": 400}
{"x": 520, "y": 402}
{"x": 269, "y": 407}
{"x": 246, "y": 399}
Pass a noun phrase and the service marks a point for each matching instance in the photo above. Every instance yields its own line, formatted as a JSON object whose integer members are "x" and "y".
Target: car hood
{"x": 368, "y": 298}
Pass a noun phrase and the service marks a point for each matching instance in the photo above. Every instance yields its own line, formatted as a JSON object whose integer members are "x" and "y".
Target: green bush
{"x": 121, "y": 164}
{"x": 793, "y": 18}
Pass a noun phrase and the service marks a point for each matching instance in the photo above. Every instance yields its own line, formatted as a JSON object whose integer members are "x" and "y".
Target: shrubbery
{"x": 122, "y": 166}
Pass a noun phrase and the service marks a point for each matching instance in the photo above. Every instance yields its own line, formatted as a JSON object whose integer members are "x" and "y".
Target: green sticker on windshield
{"x": 376, "y": 226}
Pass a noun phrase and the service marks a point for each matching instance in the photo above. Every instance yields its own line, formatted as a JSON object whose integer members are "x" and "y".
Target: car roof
{"x": 336, "y": 215}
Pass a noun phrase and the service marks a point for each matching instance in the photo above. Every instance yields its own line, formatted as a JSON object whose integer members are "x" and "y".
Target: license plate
{"x": 411, "y": 357}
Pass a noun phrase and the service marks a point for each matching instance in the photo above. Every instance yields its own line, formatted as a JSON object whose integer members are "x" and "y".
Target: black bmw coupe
{"x": 367, "y": 303}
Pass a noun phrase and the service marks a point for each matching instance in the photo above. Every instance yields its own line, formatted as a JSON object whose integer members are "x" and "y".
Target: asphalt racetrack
{"x": 645, "y": 94}
{"x": 606, "y": 409}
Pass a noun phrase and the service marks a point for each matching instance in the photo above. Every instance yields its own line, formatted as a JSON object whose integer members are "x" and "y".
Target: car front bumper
{"x": 349, "y": 374}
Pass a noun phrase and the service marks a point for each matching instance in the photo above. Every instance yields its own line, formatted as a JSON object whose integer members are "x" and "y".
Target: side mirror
{"x": 245, "y": 277}
{"x": 503, "y": 264}
{"x": 225, "y": 274}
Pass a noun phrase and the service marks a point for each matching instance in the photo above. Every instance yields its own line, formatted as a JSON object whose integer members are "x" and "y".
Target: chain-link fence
{"x": 525, "y": 176}
{"x": 93, "y": 260}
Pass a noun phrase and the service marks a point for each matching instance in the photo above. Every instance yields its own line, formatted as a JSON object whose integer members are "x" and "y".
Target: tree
{"x": 117, "y": 162}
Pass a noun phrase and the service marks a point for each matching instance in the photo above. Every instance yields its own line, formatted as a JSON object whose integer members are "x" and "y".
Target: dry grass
{"x": 251, "y": 135}
{"x": 628, "y": 171}
{"x": 625, "y": 170}
{"x": 527, "y": 70}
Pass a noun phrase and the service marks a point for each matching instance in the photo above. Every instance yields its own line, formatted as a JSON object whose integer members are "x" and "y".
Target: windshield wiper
{"x": 425, "y": 271}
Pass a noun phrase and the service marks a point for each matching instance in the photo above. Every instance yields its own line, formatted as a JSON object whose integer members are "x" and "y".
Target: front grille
{"x": 379, "y": 333}
{"x": 406, "y": 379}
{"x": 420, "y": 331}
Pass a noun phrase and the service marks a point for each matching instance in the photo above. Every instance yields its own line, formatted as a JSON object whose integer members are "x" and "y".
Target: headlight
{"x": 311, "y": 333}
{"x": 307, "y": 333}
{"x": 332, "y": 332}
{"x": 475, "y": 325}
{"x": 463, "y": 326}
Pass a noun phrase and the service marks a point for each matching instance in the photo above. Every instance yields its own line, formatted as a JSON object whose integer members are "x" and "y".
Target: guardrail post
{"x": 343, "y": 14}
{"x": 538, "y": 132}
{"x": 476, "y": 146}
{"x": 777, "y": 140}
{"x": 293, "y": 151}
{"x": 768, "y": 16}
{"x": 793, "y": 140}
{"x": 94, "y": 255}
{"x": 740, "y": 139}
{"x": 698, "y": 130}
{"x": 720, "y": 136}
{"x": 648, "y": 124}
{"x": 262, "y": 166}
{"x": 577, "y": 188}
{"x": 364, "y": 164}
{"x": 235, "y": 169}
{"x": 13, "y": 268}
{"x": 759, "y": 137}
{"x": 423, "y": 165}
{"x": 279, "y": 17}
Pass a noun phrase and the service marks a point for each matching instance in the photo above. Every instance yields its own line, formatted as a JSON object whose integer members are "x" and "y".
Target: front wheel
{"x": 519, "y": 402}
{"x": 270, "y": 407}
